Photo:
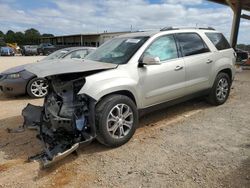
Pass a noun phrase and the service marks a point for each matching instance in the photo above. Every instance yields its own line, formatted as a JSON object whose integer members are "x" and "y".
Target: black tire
{"x": 30, "y": 86}
{"x": 103, "y": 110}
{"x": 213, "y": 98}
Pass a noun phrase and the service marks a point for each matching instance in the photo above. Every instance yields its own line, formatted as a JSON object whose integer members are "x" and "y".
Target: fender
{"x": 221, "y": 65}
{"x": 100, "y": 88}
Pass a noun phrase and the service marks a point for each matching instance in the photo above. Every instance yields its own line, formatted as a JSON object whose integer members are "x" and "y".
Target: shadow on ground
{"x": 239, "y": 178}
{"x": 24, "y": 144}
{"x": 4, "y": 97}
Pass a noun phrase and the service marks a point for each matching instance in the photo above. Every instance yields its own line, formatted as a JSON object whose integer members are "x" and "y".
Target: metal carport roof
{"x": 237, "y": 7}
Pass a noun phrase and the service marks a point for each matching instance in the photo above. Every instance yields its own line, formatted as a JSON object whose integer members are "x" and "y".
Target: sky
{"x": 64, "y": 17}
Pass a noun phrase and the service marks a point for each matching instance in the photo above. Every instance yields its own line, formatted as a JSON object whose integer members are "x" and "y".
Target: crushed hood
{"x": 63, "y": 66}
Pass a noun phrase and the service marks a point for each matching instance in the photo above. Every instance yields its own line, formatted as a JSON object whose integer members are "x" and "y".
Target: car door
{"x": 166, "y": 81}
{"x": 198, "y": 61}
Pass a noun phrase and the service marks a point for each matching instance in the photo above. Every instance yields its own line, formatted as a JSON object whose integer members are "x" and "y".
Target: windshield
{"x": 117, "y": 50}
{"x": 56, "y": 55}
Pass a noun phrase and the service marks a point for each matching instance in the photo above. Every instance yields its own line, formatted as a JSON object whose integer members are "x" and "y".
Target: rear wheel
{"x": 220, "y": 90}
{"x": 37, "y": 88}
{"x": 116, "y": 120}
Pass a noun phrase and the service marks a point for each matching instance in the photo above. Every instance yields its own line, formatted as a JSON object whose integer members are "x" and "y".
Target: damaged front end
{"x": 65, "y": 121}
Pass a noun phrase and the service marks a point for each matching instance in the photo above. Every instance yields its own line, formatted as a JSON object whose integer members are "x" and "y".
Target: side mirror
{"x": 149, "y": 60}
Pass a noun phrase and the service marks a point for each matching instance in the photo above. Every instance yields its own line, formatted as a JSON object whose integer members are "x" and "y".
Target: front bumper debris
{"x": 46, "y": 162}
{"x": 65, "y": 122}
{"x": 57, "y": 144}
{"x": 32, "y": 116}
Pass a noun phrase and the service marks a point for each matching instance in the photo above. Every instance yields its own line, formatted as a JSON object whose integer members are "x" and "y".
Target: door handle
{"x": 178, "y": 68}
{"x": 209, "y": 61}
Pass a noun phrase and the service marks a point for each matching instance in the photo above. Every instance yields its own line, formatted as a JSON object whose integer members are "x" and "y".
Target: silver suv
{"x": 101, "y": 96}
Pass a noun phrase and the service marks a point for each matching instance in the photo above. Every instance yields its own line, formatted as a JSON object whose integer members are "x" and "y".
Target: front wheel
{"x": 116, "y": 120}
{"x": 37, "y": 88}
{"x": 220, "y": 90}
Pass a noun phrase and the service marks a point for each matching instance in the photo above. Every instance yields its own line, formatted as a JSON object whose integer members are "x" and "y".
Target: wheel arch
{"x": 228, "y": 71}
{"x": 121, "y": 92}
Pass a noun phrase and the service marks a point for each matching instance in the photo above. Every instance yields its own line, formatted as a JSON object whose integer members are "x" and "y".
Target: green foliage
{"x": 20, "y": 39}
{"x": 30, "y": 36}
{"x": 1, "y": 34}
{"x": 2, "y": 43}
{"x": 10, "y": 36}
{"x": 244, "y": 47}
{"x": 47, "y": 35}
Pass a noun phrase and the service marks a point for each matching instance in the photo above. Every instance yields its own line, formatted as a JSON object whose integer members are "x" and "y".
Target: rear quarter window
{"x": 219, "y": 41}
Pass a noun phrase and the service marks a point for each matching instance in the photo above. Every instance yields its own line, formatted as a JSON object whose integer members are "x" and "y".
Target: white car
{"x": 101, "y": 97}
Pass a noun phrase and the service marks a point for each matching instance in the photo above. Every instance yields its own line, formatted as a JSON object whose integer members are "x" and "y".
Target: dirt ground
{"x": 191, "y": 144}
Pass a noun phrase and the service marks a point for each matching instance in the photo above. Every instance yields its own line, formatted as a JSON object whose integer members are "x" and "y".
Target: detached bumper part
{"x": 32, "y": 116}
{"x": 57, "y": 143}
{"x": 59, "y": 156}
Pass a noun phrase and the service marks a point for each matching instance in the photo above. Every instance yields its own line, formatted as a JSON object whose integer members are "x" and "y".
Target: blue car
{"x": 7, "y": 51}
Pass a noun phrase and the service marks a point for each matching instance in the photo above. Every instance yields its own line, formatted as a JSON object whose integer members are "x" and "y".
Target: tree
{"x": 244, "y": 47}
{"x": 47, "y": 35}
{"x": 10, "y": 36}
{"x": 20, "y": 39}
{"x": 2, "y": 43}
{"x": 32, "y": 36}
{"x": 1, "y": 34}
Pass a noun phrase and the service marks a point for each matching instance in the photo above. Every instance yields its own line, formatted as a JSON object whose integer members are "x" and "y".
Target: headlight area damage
{"x": 66, "y": 119}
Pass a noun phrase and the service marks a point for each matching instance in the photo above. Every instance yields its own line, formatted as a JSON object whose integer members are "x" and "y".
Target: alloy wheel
{"x": 222, "y": 89}
{"x": 120, "y": 121}
{"x": 39, "y": 88}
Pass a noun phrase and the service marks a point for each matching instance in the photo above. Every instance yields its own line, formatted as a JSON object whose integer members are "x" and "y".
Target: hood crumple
{"x": 64, "y": 66}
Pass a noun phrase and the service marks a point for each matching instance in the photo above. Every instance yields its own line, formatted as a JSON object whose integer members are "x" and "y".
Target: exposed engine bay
{"x": 66, "y": 119}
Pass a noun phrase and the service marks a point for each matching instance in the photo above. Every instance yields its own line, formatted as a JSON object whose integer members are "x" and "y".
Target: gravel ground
{"x": 191, "y": 144}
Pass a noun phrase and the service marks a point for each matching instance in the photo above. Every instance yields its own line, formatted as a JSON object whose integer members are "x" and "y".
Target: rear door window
{"x": 219, "y": 41}
{"x": 191, "y": 44}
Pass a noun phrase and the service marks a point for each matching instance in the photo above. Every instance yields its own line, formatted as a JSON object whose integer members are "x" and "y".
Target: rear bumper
{"x": 13, "y": 86}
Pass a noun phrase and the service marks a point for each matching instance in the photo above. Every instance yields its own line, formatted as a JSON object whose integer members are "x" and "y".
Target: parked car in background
{"x": 17, "y": 81}
{"x": 6, "y": 51}
{"x": 242, "y": 57}
{"x": 46, "y": 48}
{"x": 29, "y": 50}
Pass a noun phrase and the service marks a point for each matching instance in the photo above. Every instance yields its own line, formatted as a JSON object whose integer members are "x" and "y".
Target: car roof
{"x": 139, "y": 34}
{"x": 170, "y": 31}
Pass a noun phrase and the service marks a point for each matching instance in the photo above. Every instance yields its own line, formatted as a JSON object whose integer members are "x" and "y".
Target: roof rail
{"x": 145, "y": 30}
{"x": 178, "y": 28}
